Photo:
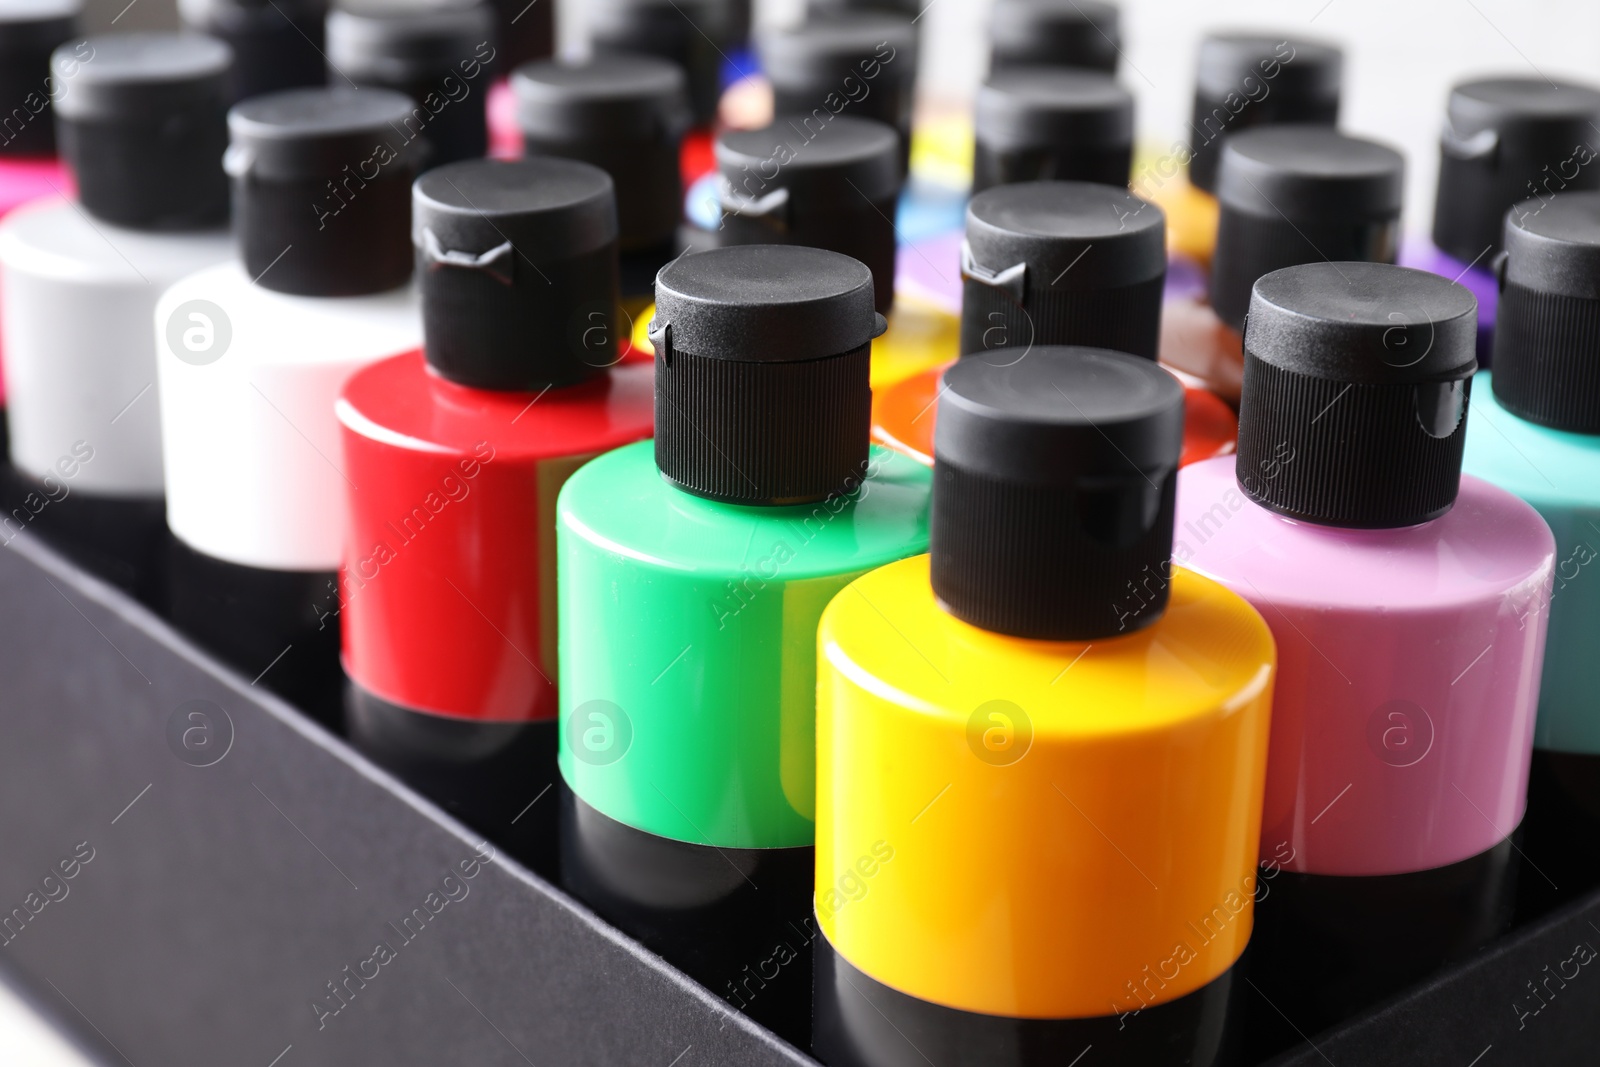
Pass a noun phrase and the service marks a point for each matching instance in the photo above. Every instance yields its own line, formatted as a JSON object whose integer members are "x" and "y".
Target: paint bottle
{"x": 449, "y": 579}
{"x": 1535, "y": 431}
{"x": 861, "y": 65}
{"x": 706, "y": 558}
{"x": 1054, "y": 263}
{"x": 1404, "y": 599}
{"x": 829, "y": 183}
{"x": 1052, "y": 125}
{"x": 28, "y": 165}
{"x": 276, "y": 44}
{"x": 626, "y": 116}
{"x": 438, "y": 54}
{"x": 686, "y": 32}
{"x": 1040, "y": 748}
{"x": 1287, "y": 195}
{"x": 1055, "y": 33}
{"x": 142, "y": 129}
{"x": 29, "y": 168}
{"x": 1505, "y": 141}
{"x": 251, "y": 356}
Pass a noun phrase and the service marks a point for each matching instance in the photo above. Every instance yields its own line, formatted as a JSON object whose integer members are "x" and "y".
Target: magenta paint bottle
{"x": 1404, "y": 599}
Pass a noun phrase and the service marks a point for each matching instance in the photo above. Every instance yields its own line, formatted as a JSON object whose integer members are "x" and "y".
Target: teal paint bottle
{"x": 1534, "y": 430}
{"x": 692, "y": 574}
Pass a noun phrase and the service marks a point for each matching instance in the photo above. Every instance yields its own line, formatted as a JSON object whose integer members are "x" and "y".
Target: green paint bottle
{"x": 692, "y": 575}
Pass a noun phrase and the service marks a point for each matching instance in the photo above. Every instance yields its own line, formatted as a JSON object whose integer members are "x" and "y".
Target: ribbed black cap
{"x": 625, "y": 116}
{"x": 1356, "y": 378}
{"x": 1245, "y": 80}
{"x": 1505, "y": 140}
{"x": 1054, "y": 33}
{"x": 517, "y": 267}
{"x": 1042, "y": 124}
{"x": 1062, "y": 263}
{"x": 863, "y": 65}
{"x": 762, "y": 361}
{"x": 277, "y": 44}
{"x": 322, "y": 187}
{"x": 435, "y": 51}
{"x": 143, "y": 127}
{"x": 29, "y": 31}
{"x": 1054, "y": 477}
{"x": 1300, "y": 194}
{"x": 830, "y": 185}
{"x": 689, "y": 33}
{"x": 1547, "y": 329}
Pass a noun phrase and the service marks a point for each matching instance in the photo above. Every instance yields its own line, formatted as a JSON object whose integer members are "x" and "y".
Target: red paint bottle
{"x": 455, "y": 455}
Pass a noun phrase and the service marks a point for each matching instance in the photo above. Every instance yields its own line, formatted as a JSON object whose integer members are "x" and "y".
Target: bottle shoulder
{"x": 1546, "y": 467}
{"x": 1209, "y": 655}
{"x": 402, "y": 403}
{"x": 56, "y": 238}
{"x": 1488, "y": 544}
{"x": 267, "y": 328}
{"x": 619, "y": 503}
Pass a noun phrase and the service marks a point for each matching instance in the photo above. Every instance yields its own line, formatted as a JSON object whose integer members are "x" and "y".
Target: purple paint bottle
{"x": 1506, "y": 142}
{"x": 1404, "y": 599}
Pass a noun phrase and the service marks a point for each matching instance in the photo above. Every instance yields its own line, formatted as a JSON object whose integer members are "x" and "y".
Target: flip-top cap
{"x": 1062, "y": 263}
{"x": 1300, "y": 194}
{"x": 1055, "y": 33}
{"x": 1506, "y": 140}
{"x": 1054, "y": 478}
{"x": 762, "y": 357}
{"x": 1547, "y": 335}
{"x": 1244, "y": 80}
{"x": 143, "y": 127}
{"x": 1356, "y": 379}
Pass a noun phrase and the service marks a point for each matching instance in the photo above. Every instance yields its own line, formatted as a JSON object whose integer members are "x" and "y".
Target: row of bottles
{"x": 1001, "y": 709}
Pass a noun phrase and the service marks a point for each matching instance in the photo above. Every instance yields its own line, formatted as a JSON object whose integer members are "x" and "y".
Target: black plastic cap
{"x": 1062, "y": 263}
{"x": 1052, "y": 124}
{"x": 1054, "y": 33}
{"x": 1547, "y": 329}
{"x": 1300, "y": 194}
{"x": 859, "y": 65}
{"x": 625, "y": 116}
{"x": 1054, "y": 477}
{"x": 1506, "y": 140}
{"x": 523, "y": 32}
{"x": 829, "y": 8}
{"x": 277, "y": 44}
{"x": 438, "y": 52}
{"x": 830, "y": 185}
{"x": 1244, "y": 80}
{"x": 517, "y": 268}
{"x": 30, "y": 30}
{"x": 762, "y": 369}
{"x": 690, "y": 33}
{"x": 322, "y": 189}
{"x": 143, "y": 128}
{"x": 1356, "y": 378}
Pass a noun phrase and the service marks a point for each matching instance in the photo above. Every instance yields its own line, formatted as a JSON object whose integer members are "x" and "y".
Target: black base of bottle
{"x": 736, "y": 920}
{"x": 1559, "y": 831}
{"x": 278, "y": 628}
{"x": 1328, "y": 946}
{"x": 496, "y": 777}
{"x": 120, "y": 540}
{"x": 860, "y": 1022}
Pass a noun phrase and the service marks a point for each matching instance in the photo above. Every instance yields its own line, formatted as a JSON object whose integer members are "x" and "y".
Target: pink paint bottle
{"x": 1404, "y": 599}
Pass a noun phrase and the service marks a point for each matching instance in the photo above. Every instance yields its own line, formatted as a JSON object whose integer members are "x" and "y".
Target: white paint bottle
{"x": 252, "y": 354}
{"x": 141, "y": 123}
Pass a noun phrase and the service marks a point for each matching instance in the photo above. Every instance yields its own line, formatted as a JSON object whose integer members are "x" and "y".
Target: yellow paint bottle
{"x": 1040, "y": 748}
